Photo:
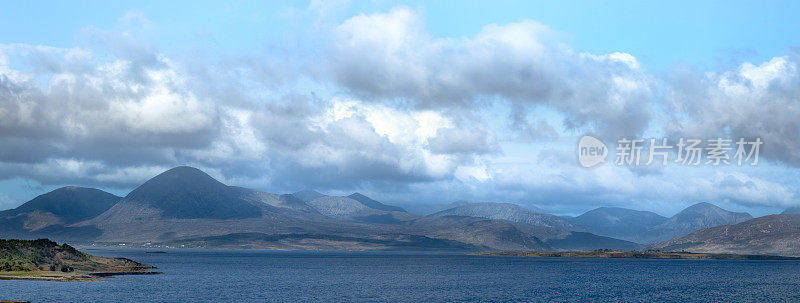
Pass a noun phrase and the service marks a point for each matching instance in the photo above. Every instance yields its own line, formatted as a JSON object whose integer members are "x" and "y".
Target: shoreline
{"x": 69, "y": 277}
{"x": 611, "y": 254}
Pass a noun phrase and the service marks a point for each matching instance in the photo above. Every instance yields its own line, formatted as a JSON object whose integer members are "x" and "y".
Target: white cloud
{"x": 389, "y": 56}
{"x": 7, "y": 202}
{"x": 751, "y": 101}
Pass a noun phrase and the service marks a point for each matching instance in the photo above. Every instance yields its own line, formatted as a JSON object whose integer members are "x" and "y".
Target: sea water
{"x": 262, "y": 276}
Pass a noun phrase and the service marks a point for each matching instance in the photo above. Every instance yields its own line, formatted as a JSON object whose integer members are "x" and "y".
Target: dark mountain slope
{"x": 188, "y": 193}
{"x": 50, "y": 213}
{"x": 70, "y": 204}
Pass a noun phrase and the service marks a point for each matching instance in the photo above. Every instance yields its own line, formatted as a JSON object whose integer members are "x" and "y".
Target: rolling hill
{"x": 768, "y": 235}
{"x": 50, "y": 213}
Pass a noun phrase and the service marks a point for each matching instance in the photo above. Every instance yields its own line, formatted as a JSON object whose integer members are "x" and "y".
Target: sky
{"x": 412, "y": 103}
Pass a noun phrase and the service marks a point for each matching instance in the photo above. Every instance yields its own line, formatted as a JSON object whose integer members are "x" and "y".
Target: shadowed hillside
{"x": 51, "y": 214}
{"x": 186, "y": 193}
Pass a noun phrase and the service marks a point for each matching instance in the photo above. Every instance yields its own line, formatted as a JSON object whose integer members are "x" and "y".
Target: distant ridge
{"x": 508, "y": 212}
{"x": 621, "y": 223}
{"x": 369, "y": 202}
{"x": 648, "y": 227}
{"x": 339, "y": 207}
{"x": 350, "y": 206}
{"x": 307, "y": 195}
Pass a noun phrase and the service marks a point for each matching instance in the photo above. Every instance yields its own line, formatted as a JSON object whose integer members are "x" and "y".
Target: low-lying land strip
{"x": 650, "y": 254}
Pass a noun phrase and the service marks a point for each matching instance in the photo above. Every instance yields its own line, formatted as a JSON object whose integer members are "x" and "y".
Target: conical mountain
{"x": 188, "y": 193}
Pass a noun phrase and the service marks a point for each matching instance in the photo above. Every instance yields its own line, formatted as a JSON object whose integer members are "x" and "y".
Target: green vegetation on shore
{"x": 43, "y": 259}
{"x": 650, "y": 254}
{"x": 41, "y": 254}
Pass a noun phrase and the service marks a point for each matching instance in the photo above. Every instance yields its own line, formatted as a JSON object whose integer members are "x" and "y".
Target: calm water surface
{"x": 258, "y": 276}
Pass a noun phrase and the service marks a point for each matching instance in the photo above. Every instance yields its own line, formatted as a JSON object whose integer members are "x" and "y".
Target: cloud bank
{"x": 389, "y": 109}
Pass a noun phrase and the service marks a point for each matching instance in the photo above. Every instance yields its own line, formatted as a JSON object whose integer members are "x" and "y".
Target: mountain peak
{"x": 181, "y": 177}
{"x": 696, "y": 217}
{"x": 72, "y": 203}
{"x": 184, "y": 171}
{"x": 187, "y": 192}
{"x": 358, "y": 195}
{"x": 308, "y": 195}
{"x": 710, "y": 211}
{"x": 702, "y": 206}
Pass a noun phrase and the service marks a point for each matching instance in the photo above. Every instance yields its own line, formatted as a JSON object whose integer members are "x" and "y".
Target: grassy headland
{"x": 43, "y": 259}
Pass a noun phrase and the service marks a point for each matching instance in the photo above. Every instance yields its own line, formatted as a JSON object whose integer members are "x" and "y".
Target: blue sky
{"x": 411, "y": 102}
{"x": 708, "y": 34}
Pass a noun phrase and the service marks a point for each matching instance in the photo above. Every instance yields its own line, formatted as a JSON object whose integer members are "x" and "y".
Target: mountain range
{"x": 186, "y": 207}
{"x": 509, "y": 212}
{"x": 647, "y": 227}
